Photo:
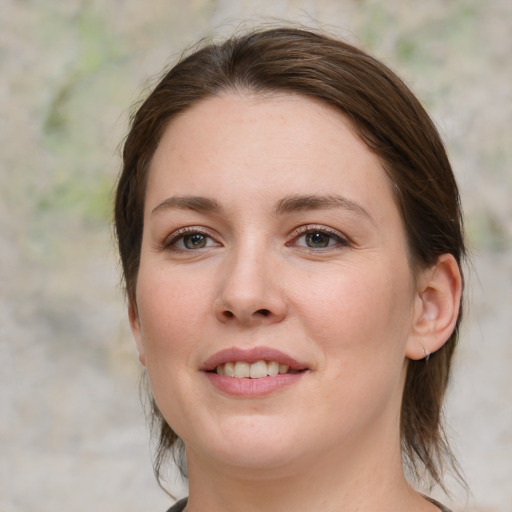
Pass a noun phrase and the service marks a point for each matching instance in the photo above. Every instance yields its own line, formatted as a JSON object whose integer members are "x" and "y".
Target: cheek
{"x": 171, "y": 312}
{"x": 359, "y": 316}
{"x": 170, "y": 308}
{"x": 361, "y": 325}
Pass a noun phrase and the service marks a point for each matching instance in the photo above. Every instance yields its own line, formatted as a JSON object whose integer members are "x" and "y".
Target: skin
{"x": 351, "y": 312}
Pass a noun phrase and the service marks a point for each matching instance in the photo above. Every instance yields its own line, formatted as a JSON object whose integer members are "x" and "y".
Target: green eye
{"x": 189, "y": 239}
{"x": 195, "y": 241}
{"x": 313, "y": 237}
{"x": 318, "y": 240}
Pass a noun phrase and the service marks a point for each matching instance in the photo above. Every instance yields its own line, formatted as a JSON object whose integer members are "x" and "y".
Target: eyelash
{"x": 171, "y": 242}
{"x": 339, "y": 239}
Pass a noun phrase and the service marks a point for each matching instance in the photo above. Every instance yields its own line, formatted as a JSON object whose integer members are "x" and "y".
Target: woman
{"x": 291, "y": 241}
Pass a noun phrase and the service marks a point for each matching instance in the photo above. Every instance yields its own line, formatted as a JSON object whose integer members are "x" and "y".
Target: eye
{"x": 319, "y": 238}
{"x": 189, "y": 239}
{"x": 195, "y": 241}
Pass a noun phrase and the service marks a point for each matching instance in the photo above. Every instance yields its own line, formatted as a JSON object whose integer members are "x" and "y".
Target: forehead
{"x": 262, "y": 119}
{"x": 268, "y": 144}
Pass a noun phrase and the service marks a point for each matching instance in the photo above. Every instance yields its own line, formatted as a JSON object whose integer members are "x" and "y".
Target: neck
{"x": 343, "y": 479}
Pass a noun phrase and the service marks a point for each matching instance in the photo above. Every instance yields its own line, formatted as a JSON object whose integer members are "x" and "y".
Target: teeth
{"x": 257, "y": 370}
{"x": 272, "y": 368}
{"x": 241, "y": 369}
{"x": 229, "y": 369}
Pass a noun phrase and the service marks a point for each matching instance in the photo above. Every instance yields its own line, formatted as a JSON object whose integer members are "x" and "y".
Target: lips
{"x": 257, "y": 355}
{"x": 252, "y": 372}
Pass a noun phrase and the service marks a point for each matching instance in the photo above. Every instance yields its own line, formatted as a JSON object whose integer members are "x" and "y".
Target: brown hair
{"x": 388, "y": 118}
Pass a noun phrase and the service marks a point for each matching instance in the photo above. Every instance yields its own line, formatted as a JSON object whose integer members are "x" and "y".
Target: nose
{"x": 249, "y": 292}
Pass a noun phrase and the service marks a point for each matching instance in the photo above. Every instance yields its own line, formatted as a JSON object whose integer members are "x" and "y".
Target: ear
{"x": 133, "y": 315}
{"x": 436, "y": 307}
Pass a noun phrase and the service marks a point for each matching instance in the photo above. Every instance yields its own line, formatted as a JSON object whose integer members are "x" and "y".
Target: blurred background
{"x": 72, "y": 431}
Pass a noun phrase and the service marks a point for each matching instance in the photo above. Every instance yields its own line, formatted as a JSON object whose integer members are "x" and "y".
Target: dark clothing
{"x": 180, "y": 505}
{"x": 437, "y": 504}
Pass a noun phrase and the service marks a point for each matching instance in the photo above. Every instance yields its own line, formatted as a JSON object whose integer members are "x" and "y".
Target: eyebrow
{"x": 290, "y": 204}
{"x": 300, "y": 203}
{"x": 195, "y": 203}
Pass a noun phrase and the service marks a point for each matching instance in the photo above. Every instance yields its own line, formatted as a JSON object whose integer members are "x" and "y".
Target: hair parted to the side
{"x": 388, "y": 118}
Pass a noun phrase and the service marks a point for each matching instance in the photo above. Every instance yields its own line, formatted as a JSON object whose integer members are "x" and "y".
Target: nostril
{"x": 245, "y": 315}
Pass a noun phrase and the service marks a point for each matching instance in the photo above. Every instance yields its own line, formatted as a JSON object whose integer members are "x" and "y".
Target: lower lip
{"x": 245, "y": 387}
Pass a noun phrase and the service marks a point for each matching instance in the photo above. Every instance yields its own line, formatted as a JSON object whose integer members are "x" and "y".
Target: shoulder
{"x": 178, "y": 506}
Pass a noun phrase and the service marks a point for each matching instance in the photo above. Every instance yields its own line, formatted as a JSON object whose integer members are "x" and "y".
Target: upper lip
{"x": 251, "y": 355}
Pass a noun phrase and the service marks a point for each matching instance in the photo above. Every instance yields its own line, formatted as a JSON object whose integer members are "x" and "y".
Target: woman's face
{"x": 271, "y": 234}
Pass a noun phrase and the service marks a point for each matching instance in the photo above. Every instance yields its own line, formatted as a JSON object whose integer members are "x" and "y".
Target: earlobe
{"x": 436, "y": 308}
{"x": 133, "y": 316}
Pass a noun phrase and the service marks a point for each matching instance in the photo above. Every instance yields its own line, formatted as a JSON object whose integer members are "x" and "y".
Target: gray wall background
{"x": 72, "y": 434}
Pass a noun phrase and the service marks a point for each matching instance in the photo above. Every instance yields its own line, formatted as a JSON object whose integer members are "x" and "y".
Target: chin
{"x": 250, "y": 443}
{"x": 256, "y": 458}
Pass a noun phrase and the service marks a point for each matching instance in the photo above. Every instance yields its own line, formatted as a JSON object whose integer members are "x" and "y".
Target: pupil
{"x": 194, "y": 241}
{"x": 318, "y": 240}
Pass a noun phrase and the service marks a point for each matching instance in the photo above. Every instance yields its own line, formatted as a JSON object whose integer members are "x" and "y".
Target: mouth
{"x": 253, "y": 372}
{"x": 256, "y": 370}
{"x": 253, "y": 363}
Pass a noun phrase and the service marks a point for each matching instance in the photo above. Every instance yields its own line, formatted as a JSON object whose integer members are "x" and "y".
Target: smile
{"x": 256, "y": 370}
{"x": 253, "y": 372}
